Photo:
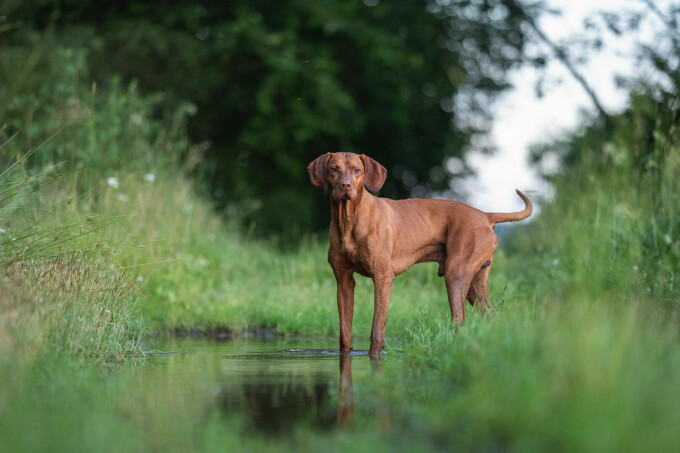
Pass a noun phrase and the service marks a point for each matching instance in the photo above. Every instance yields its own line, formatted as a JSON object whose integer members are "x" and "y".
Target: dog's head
{"x": 346, "y": 173}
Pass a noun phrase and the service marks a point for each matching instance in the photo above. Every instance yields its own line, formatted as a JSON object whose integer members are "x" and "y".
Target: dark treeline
{"x": 275, "y": 84}
{"x": 268, "y": 86}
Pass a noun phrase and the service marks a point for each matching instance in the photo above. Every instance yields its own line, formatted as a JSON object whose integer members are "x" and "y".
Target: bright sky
{"x": 521, "y": 119}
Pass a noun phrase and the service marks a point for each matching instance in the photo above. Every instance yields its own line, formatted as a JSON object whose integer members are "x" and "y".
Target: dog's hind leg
{"x": 479, "y": 290}
{"x": 467, "y": 268}
{"x": 458, "y": 279}
{"x": 456, "y": 287}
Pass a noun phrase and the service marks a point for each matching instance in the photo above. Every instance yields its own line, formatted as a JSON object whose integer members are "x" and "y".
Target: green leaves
{"x": 276, "y": 84}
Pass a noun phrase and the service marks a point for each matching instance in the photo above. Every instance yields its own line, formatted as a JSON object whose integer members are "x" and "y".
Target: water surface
{"x": 271, "y": 385}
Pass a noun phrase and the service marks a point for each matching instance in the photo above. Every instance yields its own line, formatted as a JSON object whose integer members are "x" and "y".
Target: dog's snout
{"x": 345, "y": 185}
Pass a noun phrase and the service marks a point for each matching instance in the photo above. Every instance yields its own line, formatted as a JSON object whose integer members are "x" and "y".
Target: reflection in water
{"x": 345, "y": 395}
{"x": 272, "y": 386}
{"x": 276, "y": 408}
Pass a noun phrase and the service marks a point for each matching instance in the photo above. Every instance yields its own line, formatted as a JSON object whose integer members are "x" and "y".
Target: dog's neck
{"x": 344, "y": 217}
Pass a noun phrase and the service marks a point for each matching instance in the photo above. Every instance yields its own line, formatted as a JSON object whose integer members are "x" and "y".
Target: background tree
{"x": 276, "y": 84}
{"x": 654, "y": 91}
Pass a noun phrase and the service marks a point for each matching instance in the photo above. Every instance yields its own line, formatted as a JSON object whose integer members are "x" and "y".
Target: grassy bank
{"x": 104, "y": 238}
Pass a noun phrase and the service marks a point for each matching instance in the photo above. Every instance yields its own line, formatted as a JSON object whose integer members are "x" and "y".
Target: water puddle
{"x": 270, "y": 384}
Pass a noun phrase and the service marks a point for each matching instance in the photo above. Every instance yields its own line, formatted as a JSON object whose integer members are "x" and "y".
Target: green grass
{"x": 577, "y": 356}
{"x": 581, "y": 353}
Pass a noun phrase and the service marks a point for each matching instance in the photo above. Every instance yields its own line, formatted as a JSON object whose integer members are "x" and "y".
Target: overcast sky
{"x": 521, "y": 119}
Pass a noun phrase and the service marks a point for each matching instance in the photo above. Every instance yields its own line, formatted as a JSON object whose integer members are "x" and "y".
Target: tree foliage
{"x": 276, "y": 84}
{"x": 633, "y": 138}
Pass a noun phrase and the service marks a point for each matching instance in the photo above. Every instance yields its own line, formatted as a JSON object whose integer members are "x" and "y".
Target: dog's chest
{"x": 353, "y": 242}
{"x": 357, "y": 253}
{"x": 350, "y": 244}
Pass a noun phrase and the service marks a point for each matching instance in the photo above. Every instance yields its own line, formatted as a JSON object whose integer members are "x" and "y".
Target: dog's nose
{"x": 345, "y": 186}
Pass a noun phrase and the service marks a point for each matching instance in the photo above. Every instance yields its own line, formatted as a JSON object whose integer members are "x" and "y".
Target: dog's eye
{"x": 334, "y": 168}
{"x": 357, "y": 171}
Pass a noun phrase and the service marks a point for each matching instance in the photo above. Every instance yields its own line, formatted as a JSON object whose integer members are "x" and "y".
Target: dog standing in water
{"x": 381, "y": 238}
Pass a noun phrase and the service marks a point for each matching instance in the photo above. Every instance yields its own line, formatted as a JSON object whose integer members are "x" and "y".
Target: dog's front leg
{"x": 345, "y": 280}
{"x": 382, "y": 289}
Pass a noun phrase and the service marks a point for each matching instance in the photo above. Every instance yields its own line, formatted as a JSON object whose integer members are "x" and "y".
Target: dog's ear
{"x": 374, "y": 174}
{"x": 317, "y": 171}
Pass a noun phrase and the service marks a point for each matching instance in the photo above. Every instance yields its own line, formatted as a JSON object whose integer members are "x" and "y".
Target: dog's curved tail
{"x": 500, "y": 217}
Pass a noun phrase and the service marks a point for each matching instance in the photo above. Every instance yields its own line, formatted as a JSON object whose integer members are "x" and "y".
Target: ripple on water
{"x": 298, "y": 354}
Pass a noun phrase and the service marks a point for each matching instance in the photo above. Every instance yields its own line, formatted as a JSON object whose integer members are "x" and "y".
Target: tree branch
{"x": 561, "y": 55}
{"x": 670, "y": 23}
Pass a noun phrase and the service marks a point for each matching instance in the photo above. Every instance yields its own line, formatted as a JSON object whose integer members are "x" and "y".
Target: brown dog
{"x": 381, "y": 238}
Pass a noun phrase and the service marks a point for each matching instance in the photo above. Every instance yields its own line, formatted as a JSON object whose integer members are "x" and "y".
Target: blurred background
{"x": 449, "y": 95}
{"x": 153, "y": 184}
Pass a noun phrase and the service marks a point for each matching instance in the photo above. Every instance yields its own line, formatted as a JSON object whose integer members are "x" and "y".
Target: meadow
{"x": 107, "y": 241}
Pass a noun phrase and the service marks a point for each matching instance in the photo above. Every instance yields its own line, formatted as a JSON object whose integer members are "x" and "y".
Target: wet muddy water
{"x": 271, "y": 385}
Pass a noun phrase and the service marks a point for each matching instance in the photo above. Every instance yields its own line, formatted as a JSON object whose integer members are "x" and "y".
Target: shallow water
{"x": 271, "y": 385}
